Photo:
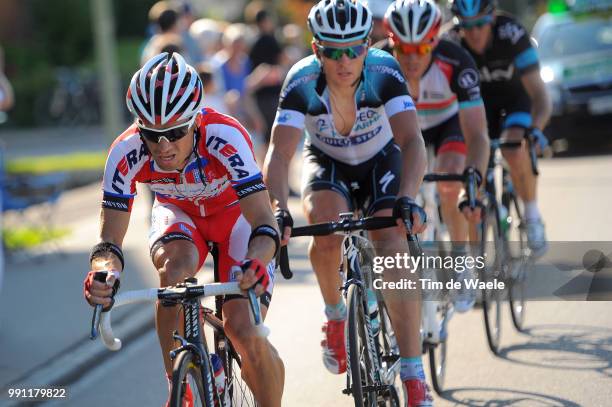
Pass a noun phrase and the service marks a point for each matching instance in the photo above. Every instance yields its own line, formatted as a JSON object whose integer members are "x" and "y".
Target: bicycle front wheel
{"x": 187, "y": 374}
{"x": 361, "y": 373}
{"x": 237, "y": 392}
{"x": 492, "y": 250}
{"x": 517, "y": 254}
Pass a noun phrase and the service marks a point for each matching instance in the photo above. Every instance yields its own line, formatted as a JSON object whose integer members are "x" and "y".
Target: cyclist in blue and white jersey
{"x": 514, "y": 94}
{"x": 363, "y": 142}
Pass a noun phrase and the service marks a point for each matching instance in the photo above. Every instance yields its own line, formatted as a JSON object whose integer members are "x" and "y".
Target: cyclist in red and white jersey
{"x": 201, "y": 166}
{"x": 444, "y": 81}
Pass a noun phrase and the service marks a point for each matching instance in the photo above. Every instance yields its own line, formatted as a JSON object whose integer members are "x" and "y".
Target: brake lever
{"x": 254, "y": 305}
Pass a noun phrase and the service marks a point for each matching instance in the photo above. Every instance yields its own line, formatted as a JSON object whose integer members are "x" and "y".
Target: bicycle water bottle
{"x": 373, "y": 311}
{"x": 217, "y": 365}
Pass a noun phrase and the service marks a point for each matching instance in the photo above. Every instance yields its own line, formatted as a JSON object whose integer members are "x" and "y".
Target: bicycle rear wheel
{"x": 517, "y": 256}
{"x": 361, "y": 373}
{"x": 389, "y": 359}
{"x": 492, "y": 249}
{"x": 187, "y": 372}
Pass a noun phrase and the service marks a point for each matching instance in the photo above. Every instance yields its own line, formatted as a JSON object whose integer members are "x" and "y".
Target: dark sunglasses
{"x": 171, "y": 134}
{"x": 476, "y": 23}
{"x": 335, "y": 53}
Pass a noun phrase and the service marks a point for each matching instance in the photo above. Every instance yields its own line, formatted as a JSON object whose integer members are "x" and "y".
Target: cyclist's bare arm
{"x": 257, "y": 211}
{"x": 283, "y": 143}
{"x": 541, "y": 105}
{"x": 473, "y": 123}
{"x": 113, "y": 226}
{"x": 408, "y": 137}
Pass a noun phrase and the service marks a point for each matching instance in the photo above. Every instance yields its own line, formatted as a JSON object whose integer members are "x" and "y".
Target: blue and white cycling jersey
{"x": 382, "y": 93}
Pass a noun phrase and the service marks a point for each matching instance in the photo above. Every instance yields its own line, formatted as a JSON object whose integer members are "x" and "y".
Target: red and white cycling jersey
{"x": 220, "y": 170}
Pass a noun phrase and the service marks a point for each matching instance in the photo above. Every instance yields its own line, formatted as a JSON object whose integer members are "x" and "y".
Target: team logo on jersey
{"x": 511, "y": 32}
{"x": 228, "y": 151}
{"x": 322, "y": 125}
{"x": 366, "y": 119}
{"x": 125, "y": 165}
{"x": 283, "y": 118}
{"x": 496, "y": 74}
{"x": 385, "y": 181}
{"x": 349, "y": 141}
{"x": 468, "y": 78}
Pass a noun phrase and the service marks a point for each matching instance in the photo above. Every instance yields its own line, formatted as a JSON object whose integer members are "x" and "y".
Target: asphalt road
{"x": 564, "y": 358}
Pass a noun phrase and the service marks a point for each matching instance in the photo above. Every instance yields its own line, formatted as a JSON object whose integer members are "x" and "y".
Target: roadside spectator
{"x": 191, "y": 48}
{"x": 208, "y": 34}
{"x": 234, "y": 67}
{"x": 268, "y": 75}
{"x": 212, "y": 95}
{"x": 293, "y": 44}
{"x": 7, "y": 98}
{"x": 165, "y": 17}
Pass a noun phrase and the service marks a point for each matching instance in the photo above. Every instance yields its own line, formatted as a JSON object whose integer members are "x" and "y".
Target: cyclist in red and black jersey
{"x": 201, "y": 166}
{"x": 443, "y": 80}
{"x": 515, "y": 97}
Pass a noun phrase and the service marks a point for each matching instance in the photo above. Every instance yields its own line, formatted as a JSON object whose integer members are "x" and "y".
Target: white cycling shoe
{"x": 536, "y": 238}
{"x": 465, "y": 297}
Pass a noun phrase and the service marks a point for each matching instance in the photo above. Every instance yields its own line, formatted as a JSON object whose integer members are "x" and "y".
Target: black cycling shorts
{"x": 512, "y": 109}
{"x": 446, "y": 136}
{"x": 372, "y": 185}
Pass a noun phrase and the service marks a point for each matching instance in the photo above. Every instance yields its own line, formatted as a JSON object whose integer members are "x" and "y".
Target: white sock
{"x": 532, "y": 213}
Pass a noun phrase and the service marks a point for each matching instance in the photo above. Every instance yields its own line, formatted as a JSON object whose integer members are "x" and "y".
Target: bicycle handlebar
{"x": 349, "y": 225}
{"x": 173, "y": 293}
{"x": 437, "y": 177}
{"x": 346, "y": 226}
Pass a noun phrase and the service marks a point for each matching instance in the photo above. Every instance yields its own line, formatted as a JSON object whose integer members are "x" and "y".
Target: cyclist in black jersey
{"x": 515, "y": 96}
{"x": 444, "y": 82}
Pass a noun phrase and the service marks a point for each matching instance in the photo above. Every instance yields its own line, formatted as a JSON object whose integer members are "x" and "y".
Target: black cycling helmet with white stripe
{"x": 340, "y": 21}
{"x": 165, "y": 91}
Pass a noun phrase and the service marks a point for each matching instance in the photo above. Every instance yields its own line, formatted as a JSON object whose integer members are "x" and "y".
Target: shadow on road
{"x": 489, "y": 397}
{"x": 566, "y": 347}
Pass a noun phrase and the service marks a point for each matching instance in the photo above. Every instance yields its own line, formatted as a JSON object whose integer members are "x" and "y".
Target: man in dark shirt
{"x": 266, "y": 55}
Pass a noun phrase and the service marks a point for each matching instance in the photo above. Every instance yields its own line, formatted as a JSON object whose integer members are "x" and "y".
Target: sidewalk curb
{"x": 70, "y": 365}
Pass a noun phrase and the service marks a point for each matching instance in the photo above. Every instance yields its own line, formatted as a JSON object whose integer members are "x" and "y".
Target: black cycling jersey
{"x": 509, "y": 56}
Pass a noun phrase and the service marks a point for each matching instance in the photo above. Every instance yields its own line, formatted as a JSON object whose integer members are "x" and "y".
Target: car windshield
{"x": 575, "y": 38}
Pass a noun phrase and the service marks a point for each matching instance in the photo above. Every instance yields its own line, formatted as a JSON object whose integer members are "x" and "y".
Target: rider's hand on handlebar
{"x": 538, "y": 139}
{"x": 100, "y": 287}
{"x": 252, "y": 273}
{"x": 409, "y": 215}
{"x": 285, "y": 223}
{"x": 469, "y": 204}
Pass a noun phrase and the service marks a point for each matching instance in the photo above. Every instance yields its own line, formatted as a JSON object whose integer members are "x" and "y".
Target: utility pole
{"x": 106, "y": 61}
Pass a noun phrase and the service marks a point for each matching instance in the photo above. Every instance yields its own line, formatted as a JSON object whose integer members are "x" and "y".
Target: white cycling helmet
{"x": 165, "y": 91}
{"x": 413, "y": 21}
{"x": 378, "y": 7}
{"x": 340, "y": 21}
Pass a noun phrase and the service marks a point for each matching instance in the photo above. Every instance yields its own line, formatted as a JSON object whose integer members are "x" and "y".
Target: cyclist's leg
{"x": 262, "y": 369}
{"x": 404, "y": 306}
{"x": 405, "y": 311}
{"x": 325, "y": 196}
{"x": 450, "y": 158}
{"x": 177, "y": 251}
{"x": 517, "y": 158}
